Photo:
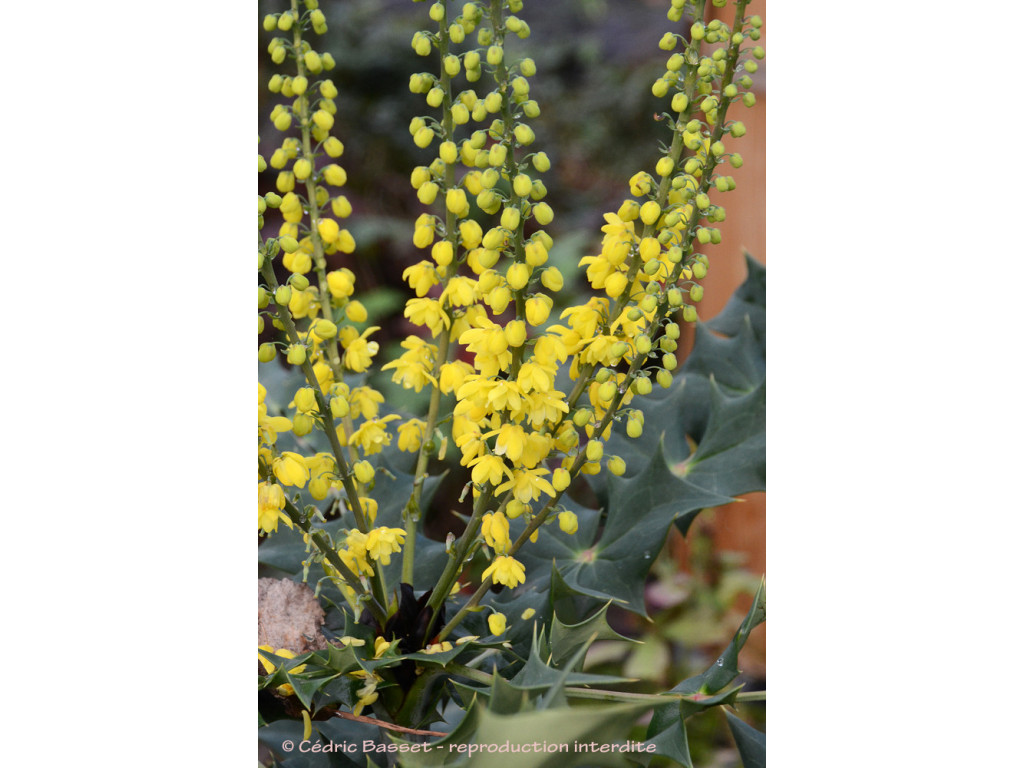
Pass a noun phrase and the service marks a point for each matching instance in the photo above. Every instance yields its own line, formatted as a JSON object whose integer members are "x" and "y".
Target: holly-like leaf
{"x": 749, "y": 741}
{"x": 667, "y": 732}
{"x": 614, "y": 563}
{"x": 748, "y": 301}
{"x": 566, "y": 639}
{"x": 726, "y": 667}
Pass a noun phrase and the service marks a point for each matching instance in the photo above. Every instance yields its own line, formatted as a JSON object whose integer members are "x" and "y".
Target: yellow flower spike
{"x": 496, "y": 623}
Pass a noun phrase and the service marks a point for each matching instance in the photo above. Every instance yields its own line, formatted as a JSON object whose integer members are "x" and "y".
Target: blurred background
{"x": 596, "y": 61}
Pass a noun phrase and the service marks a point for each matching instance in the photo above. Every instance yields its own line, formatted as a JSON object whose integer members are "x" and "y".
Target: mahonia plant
{"x": 483, "y": 293}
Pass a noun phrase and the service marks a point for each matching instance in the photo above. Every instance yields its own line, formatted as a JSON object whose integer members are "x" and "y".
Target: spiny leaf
{"x": 749, "y": 741}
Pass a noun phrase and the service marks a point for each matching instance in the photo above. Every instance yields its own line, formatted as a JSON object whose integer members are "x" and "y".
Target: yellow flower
{"x": 421, "y": 277}
{"x": 341, "y": 283}
{"x": 359, "y": 352}
{"x": 438, "y": 647}
{"x": 460, "y": 292}
{"x": 410, "y": 435}
{"x": 511, "y": 441}
{"x": 271, "y": 502}
{"x": 372, "y": 436}
{"x": 363, "y": 402}
{"x": 494, "y": 528}
{"x": 487, "y": 469}
{"x": 496, "y": 623}
{"x": 527, "y": 485}
{"x": 412, "y": 367}
{"x": 290, "y": 469}
{"x": 567, "y": 522}
{"x": 382, "y": 542}
{"x": 427, "y": 312}
{"x": 506, "y": 570}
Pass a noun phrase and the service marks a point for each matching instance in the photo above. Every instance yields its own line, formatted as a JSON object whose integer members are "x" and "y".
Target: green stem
{"x": 456, "y": 560}
{"x": 598, "y": 694}
{"x": 412, "y": 513}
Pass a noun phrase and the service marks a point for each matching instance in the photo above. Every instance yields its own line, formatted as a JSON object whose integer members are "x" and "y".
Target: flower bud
{"x": 518, "y": 276}
{"x": 364, "y": 472}
{"x": 423, "y": 137}
{"x": 296, "y": 354}
{"x": 582, "y": 417}
{"x": 633, "y": 427}
{"x": 567, "y": 521}
{"x": 495, "y": 54}
{"x": 524, "y": 134}
{"x": 643, "y": 344}
{"x": 560, "y": 479}
{"x": 650, "y": 212}
{"x": 664, "y": 379}
{"x": 595, "y": 450}
{"x": 696, "y": 293}
{"x": 282, "y": 295}
{"x": 642, "y": 385}
{"x": 606, "y": 392}
{"x": 335, "y": 175}
{"x": 339, "y": 407}
{"x": 302, "y": 424}
{"x": 667, "y": 42}
{"x": 496, "y": 623}
{"x": 325, "y": 329}
{"x": 543, "y": 214}
{"x": 267, "y": 352}
{"x": 515, "y": 333}
{"x": 551, "y": 278}
{"x": 510, "y": 219}
{"x": 690, "y": 313}
{"x": 616, "y": 466}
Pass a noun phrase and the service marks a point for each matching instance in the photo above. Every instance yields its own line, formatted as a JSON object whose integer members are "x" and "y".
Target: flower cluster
{"x": 319, "y": 325}
{"x": 483, "y": 291}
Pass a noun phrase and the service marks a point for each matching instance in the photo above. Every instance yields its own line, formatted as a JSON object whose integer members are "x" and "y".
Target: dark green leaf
{"x": 749, "y": 741}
